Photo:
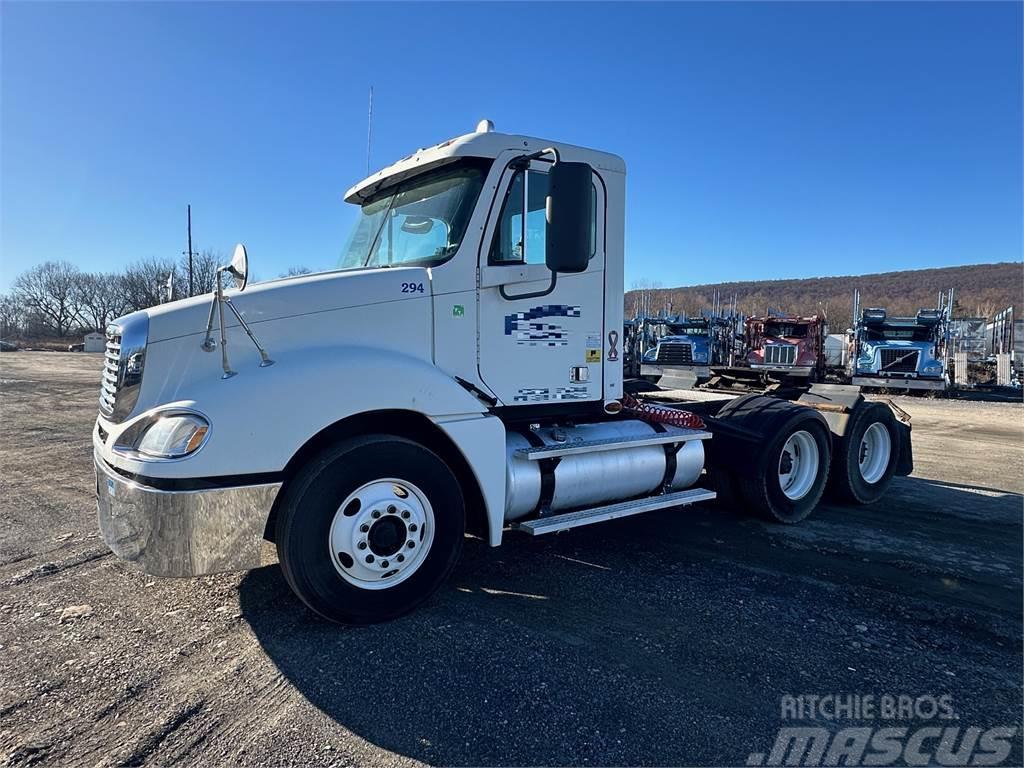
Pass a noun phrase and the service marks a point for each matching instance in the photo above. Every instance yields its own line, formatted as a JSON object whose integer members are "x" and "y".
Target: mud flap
{"x": 905, "y": 461}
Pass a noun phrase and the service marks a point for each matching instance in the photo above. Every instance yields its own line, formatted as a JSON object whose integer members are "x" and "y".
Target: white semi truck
{"x": 461, "y": 371}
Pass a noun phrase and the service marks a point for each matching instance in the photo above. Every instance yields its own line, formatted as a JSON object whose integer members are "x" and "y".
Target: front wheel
{"x": 370, "y": 528}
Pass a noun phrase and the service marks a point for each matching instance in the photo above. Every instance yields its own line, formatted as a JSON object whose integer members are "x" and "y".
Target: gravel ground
{"x": 664, "y": 639}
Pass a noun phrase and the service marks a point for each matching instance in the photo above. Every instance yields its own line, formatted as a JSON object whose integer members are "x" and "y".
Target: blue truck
{"x": 900, "y": 352}
{"x": 685, "y": 349}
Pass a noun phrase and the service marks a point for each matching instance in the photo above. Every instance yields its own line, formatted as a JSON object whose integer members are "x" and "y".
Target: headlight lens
{"x": 171, "y": 437}
{"x": 700, "y": 357}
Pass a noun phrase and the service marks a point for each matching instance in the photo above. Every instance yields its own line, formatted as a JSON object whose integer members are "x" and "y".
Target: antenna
{"x": 369, "y": 131}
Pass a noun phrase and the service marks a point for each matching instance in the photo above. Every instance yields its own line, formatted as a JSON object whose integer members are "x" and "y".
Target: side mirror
{"x": 239, "y": 267}
{"x": 570, "y": 205}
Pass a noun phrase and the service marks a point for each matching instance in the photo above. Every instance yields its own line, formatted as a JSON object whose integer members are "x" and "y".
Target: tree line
{"x": 980, "y": 290}
{"x": 56, "y": 299}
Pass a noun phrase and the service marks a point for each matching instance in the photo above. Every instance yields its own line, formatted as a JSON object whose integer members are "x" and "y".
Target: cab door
{"x": 538, "y": 343}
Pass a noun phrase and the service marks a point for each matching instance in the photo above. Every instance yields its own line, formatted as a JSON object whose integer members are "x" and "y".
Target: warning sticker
{"x": 593, "y": 355}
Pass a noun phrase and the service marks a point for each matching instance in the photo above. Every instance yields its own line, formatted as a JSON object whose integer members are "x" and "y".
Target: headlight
{"x": 169, "y": 436}
{"x": 933, "y": 368}
{"x": 651, "y": 355}
{"x": 700, "y": 357}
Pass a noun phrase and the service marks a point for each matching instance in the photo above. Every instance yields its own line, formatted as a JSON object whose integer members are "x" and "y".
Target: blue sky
{"x": 762, "y": 140}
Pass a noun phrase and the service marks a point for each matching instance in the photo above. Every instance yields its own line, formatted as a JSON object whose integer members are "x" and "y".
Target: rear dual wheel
{"x": 782, "y": 477}
{"x": 370, "y": 528}
{"x": 866, "y": 456}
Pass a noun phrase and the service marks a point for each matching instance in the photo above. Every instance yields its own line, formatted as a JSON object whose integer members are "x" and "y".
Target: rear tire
{"x": 370, "y": 528}
{"x": 866, "y": 456}
{"x": 781, "y": 477}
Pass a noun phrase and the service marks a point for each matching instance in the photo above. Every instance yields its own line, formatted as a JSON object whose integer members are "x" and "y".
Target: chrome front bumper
{"x": 897, "y": 381}
{"x": 182, "y": 533}
{"x": 792, "y": 370}
{"x": 700, "y": 370}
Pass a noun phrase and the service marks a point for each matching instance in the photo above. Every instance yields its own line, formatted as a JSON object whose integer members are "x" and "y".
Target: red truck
{"x": 786, "y": 347}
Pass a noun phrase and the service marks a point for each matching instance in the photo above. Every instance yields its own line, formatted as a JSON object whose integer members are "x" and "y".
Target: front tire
{"x": 370, "y": 528}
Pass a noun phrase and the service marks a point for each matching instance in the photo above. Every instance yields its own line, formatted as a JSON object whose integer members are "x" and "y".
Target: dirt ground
{"x": 667, "y": 638}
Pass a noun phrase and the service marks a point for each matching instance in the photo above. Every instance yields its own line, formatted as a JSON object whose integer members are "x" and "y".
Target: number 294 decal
{"x": 412, "y": 287}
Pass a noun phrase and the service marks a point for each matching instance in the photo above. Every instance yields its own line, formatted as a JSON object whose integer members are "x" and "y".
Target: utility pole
{"x": 190, "y": 254}
{"x": 369, "y": 131}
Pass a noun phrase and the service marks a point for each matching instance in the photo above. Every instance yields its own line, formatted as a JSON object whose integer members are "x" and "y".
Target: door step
{"x": 611, "y": 444}
{"x": 611, "y": 511}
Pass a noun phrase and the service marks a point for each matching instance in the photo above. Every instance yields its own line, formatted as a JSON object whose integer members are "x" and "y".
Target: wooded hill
{"x": 980, "y": 290}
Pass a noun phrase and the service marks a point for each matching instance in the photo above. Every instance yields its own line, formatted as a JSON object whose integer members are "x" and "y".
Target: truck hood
{"x": 290, "y": 297}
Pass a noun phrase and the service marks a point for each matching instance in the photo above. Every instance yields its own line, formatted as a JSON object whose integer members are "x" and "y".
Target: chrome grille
{"x": 123, "y": 361}
{"x": 780, "y": 354}
{"x": 111, "y": 368}
{"x": 899, "y": 360}
{"x": 675, "y": 353}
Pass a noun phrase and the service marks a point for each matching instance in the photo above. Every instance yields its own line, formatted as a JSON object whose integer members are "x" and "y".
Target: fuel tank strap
{"x": 671, "y": 449}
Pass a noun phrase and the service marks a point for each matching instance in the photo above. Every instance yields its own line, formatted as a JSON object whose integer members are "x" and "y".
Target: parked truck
{"x": 490, "y": 397}
{"x": 900, "y": 352}
{"x": 687, "y": 348}
{"x": 776, "y": 351}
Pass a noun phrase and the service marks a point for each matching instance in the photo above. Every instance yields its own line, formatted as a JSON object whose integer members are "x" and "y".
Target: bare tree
{"x": 204, "y": 273}
{"x": 145, "y": 283}
{"x": 296, "y": 271}
{"x": 102, "y": 298}
{"x": 12, "y": 316}
{"x": 50, "y": 290}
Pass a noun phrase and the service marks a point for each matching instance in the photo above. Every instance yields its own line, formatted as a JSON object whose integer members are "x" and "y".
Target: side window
{"x": 515, "y": 243}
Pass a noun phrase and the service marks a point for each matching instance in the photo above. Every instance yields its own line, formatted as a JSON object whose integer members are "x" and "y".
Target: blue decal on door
{"x": 522, "y": 325}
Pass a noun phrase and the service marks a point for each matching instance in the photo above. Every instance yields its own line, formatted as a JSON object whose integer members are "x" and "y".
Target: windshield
{"x": 688, "y": 330}
{"x": 786, "y": 330}
{"x": 906, "y": 333}
{"x": 420, "y": 221}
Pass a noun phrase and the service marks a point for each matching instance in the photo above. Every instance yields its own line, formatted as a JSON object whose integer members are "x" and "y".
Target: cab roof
{"x": 481, "y": 143}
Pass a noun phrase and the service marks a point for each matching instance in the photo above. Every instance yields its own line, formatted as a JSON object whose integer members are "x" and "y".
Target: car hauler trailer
{"x": 490, "y": 398}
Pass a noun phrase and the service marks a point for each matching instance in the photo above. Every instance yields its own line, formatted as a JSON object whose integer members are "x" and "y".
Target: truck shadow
{"x": 668, "y": 638}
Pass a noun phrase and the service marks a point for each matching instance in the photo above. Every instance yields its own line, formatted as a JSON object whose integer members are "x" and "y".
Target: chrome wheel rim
{"x": 381, "y": 533}
{"x": 875, "y": 452}
{"x": 798, "y": 465}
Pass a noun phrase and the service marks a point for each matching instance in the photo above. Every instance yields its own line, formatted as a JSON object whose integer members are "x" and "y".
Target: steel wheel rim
{"x": 798, "y": 465}
{"x": 875, "y": 452}
{"x": 381, "y": 533}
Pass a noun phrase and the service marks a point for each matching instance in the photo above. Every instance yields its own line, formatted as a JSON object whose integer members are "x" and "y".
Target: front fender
{"x": 260, "y": 417}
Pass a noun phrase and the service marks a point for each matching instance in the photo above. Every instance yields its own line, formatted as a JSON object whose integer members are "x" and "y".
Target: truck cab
{"x": 785, "y": 346}
{"x": 687, "y": 346}
{"x": 902, "y": 352}
{"x": 461, "y": 370}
